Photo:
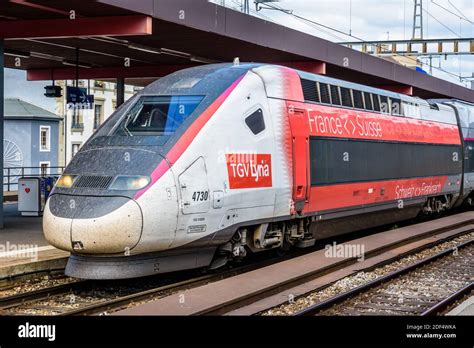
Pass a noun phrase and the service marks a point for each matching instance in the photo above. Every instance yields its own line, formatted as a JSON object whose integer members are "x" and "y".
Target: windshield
{"x": 158, "y": 115}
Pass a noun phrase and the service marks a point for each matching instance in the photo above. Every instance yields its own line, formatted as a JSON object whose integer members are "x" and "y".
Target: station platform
{"x": 21, "y": 229}
{"x": 23, "y": 248}
{"x": 465, "y": 308}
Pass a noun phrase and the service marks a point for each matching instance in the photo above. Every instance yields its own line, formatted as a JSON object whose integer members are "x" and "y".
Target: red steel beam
{"x": 408, "y": 90}
{"x": 80, "y": 27}
{"x": 141, "y": 71}
{"x": 311, "y": 67}
{"x": 104, "y": 73}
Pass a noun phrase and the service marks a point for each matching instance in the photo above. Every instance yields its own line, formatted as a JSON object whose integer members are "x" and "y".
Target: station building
{"x": 31, "y": 141}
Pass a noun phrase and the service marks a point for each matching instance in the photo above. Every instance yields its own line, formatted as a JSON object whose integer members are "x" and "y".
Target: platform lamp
{"x": 53, "y": 91}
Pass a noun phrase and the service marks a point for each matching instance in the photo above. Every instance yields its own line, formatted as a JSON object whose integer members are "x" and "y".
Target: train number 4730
{"x": 199, "y": 196}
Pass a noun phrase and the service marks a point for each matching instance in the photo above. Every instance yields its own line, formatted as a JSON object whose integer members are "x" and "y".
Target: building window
{"x": 97, "y": 115}
{"x": 77, "y": 121}
{"x": 44, "y": 168}
{"x": 75, "y": 148}
{"x": 45, "y": 138}
{"x": 75, "y": 118}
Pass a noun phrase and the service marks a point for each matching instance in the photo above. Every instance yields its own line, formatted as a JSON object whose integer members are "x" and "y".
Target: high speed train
{"x": 215, "y": 162}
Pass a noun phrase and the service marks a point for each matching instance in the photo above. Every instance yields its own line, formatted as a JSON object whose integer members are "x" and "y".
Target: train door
{"x": 300, "y": 142}
{"x": 194, "y": 188}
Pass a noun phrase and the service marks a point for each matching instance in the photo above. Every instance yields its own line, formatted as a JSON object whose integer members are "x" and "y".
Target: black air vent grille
{"x": 96, "y": 182}
{"x": 309, "y": 90}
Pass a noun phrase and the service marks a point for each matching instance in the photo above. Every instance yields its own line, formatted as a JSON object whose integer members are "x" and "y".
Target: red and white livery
{"x": 214, "y": 162}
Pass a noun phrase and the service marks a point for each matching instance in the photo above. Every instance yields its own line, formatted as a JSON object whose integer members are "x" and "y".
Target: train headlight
{"x": 126, "y": 183}
{"x": 66, "y": 181}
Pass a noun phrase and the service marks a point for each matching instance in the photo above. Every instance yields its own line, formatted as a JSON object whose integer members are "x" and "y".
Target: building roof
{"x": 20, "y": 109}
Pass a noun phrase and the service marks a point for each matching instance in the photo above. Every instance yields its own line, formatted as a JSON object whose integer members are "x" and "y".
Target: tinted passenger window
{"x": 256, "y": 122}
{"x": 407, "y": 160}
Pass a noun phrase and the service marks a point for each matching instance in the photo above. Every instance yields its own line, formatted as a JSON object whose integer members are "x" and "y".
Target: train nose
{"x": 93, "y": 225}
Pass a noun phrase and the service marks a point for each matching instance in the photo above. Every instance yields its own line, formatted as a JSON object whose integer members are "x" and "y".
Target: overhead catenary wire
{"x": 444, "y": 25}
{"x": 460, "y": 12}
{"x": 277, "y": 7}
{"x": 238, "y": 6}
{"x": 317, "y": 26}
{"x": 451, "y": 12}
{"x": 313, "y": 23}
{"x": 328, "y": 30}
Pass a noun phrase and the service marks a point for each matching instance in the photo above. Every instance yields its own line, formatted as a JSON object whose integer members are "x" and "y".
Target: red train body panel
{"x": 309, "y": 120}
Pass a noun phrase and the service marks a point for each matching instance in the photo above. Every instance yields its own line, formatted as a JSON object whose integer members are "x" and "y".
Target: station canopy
{"x": 146, "y": 39}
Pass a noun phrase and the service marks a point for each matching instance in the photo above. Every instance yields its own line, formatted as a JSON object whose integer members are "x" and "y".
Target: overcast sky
{"x": 379, "y": 20}
{"x": 16, "y": 86}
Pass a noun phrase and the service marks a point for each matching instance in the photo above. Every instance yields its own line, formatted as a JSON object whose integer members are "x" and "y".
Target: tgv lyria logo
{"x": 249, "y": 170}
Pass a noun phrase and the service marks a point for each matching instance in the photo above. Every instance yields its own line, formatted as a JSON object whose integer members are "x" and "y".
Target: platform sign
{"x": 77, "y": 96}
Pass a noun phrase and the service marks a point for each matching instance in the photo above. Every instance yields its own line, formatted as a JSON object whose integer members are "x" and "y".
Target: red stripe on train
{"x": 367, "y": 193}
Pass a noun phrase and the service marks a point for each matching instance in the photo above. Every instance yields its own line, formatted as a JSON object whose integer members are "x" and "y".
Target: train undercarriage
{"x": 305, "y": 231}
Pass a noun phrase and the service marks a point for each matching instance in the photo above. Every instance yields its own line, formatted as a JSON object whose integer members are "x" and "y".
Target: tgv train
{"x": 215, "y": 162}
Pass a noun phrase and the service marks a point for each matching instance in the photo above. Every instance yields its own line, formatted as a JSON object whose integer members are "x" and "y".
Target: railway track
{"x": 307, "y": 281}
{"x": 39, "y": 294}
{"x": 426, "y": 287}
{"x": 88, "y": 297}
{"x": 93, "y": 297}
{"x": 263, "y": 289}
{"x": 82, "y": 297}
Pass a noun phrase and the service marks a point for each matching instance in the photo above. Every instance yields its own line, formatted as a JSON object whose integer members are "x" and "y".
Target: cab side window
{"x": 255, "y": 122}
